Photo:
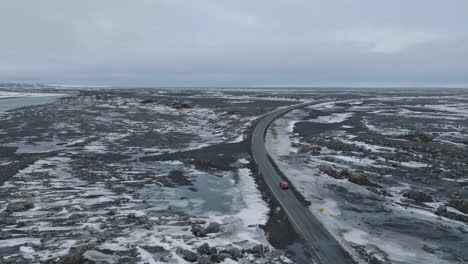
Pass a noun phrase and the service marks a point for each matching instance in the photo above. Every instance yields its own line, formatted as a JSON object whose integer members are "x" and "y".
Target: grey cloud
{"x": 220, "y": 42}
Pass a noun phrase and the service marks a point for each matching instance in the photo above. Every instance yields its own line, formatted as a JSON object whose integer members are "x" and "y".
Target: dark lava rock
{"x": 376, "y": 260}
{"x": 419, "y": 137}
{"x": 180, "y": 105}
{"x": 179, "y": 251}
{"x": 372, "y": 253}
{"x": 149, "y": 225}
{"x": 453, "y": 216}
{"x": 235, "y": 253}
{"x": 344, "y": 174}
{"x": 75, "y": 255}
{"x": 330, "y": 171}
{"x": 213, "y": 227}
{"x": 307, "y": 148}
{"x": 198, "y": 231}
{"x": 111, "y": 212}
{"x": 203, "y": 164}
{"x": 189, "y": 255}
{"x": 76, "y": 216}
{"x": 258, "y": 250}
{"x": 131, "y": 216}
{"x": 175, "y": 178}
{"x": 148, "y": 101}
{"x": 213, "y": 251}
{"x": 179, "y": 178}
{"x": 358, "y": 178}
{"x": 5, "y": 220}
{"x": 379, "y": 191}
{"x": 153, "y": 249}
{"x": 19, "y": 207}
{"x": 418, "y": 196}
{"x": 327, "y": 170}
{"x": 428, "y": 249}
{"x": 361, "y": 179}
{"x": 204, "y": 249}
{"x": 461, "y": 205}
{"x": 205, "y": 259}
{"x": 215, "y": 258}
{"x": 441, "y": 209}
{"x": 223, "y": 256}
{"x": 462, "y": 229}
{"x": 4, "y": 235}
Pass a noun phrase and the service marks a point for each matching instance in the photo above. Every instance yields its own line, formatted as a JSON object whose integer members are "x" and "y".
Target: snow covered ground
{"x": 320, "y": 146}
{"x": 140, "y": 175}
{"x": 94, "y": 175}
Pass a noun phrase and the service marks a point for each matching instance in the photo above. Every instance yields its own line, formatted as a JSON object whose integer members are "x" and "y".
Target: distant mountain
{"x": 23, "y": 85}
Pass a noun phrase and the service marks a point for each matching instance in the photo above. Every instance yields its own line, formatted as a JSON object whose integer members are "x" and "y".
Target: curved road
{"x": 323, "y": 246}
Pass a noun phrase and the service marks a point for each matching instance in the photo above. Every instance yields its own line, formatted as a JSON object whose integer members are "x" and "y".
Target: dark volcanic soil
{"x": 123, "y": 175}
{"x": 391, "y": 170}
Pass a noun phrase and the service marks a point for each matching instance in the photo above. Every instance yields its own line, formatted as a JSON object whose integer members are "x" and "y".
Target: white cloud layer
{"x": 221, "y": 42}
{"x": 385, "y": 40}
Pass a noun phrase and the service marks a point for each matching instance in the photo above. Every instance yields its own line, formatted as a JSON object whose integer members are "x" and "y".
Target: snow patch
{"x": 333, "y": 118}
{"x": 256, "y": 210}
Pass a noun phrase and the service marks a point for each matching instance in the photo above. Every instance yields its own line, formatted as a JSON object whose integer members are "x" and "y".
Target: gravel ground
{"x": 164, "y": 176}
{"x": 133, "y": 176}
{"x": 388, "y": 169}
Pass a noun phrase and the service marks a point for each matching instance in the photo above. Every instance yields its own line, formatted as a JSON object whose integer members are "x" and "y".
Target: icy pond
{"x": 13, "y": 100}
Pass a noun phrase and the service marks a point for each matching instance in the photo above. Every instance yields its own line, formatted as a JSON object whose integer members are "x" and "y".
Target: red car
{"x": 284, "y": 185}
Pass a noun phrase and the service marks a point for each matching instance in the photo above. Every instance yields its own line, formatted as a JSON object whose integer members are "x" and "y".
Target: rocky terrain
{"x": 386, "y": 173}
{"x": 134, "y": 176}
{"x": 165, "y": 176}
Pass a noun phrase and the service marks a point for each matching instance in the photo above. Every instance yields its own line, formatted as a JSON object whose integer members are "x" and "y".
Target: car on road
{"x": 284, "y": 185}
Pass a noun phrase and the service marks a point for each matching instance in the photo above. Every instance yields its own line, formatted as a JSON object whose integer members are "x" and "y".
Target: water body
{"x": 7, "y": 104}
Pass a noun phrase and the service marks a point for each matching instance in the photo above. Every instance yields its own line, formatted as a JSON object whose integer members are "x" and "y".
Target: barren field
{"x": 165, "y": 176}
{"x": 388, "y": 169}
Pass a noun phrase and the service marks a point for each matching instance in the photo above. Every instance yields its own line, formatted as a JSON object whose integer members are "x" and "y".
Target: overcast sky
{"x": 235, "y": 43}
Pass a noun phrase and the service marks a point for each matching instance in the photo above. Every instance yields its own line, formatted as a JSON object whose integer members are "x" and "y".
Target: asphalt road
{"x": 322, "y": 245}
